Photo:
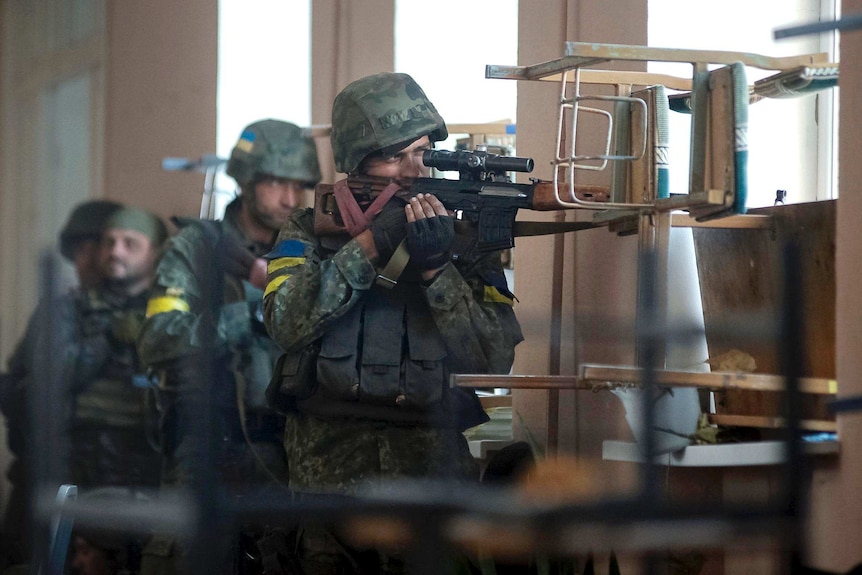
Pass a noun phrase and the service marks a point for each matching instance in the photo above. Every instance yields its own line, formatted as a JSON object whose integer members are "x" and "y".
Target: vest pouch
{"x": 383, "y": 341}
{"x": 336, "y": 366}
{"x": 425, "y": 374}
{"x": 380, "y": 384}
{"x": 293, "y": 378}
{"x": 423, "y": 383}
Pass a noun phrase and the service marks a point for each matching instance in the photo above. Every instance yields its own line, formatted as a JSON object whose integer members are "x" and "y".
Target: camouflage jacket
{"x": 92, "y": 335}
{"x": 100, "y": 360}
{"x": 199, "y": 317}
{"x": 316, "y": 284}
{"x": 79, "y": 350}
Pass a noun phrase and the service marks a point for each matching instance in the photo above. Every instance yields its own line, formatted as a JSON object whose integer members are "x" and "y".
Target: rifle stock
{"x": 491, "y": 205}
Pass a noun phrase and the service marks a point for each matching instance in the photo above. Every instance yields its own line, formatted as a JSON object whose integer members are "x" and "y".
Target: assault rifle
{"x": 483, "y": 196}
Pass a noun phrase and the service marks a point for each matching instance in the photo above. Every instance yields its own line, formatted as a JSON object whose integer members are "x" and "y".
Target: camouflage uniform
{"x": 85, "y": 223}
{"x": 379, "y": 404}
{"x": 203, "y": 337}
{"x": 375, "y": 403}
{"x": 200, "y": 316}
{"x": 204, "y": 334}
{"x": 111, "y": 442}
{"x": 107, "y": 434}
{"x": 313, "y": 287}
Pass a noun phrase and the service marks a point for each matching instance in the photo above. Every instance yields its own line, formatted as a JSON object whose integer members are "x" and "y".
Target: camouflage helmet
{"x": 378, "y": 112}
{"x": 86, "y": 222}
{"x": 275, "y": 148}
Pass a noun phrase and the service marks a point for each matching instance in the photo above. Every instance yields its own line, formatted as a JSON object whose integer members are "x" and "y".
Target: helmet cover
{"x": 378, "y": 112}
{"x": 87, "y": 221}
{"x": 274, "y": 148}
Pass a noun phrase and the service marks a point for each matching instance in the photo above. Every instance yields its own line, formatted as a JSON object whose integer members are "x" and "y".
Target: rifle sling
{"x": 241, "y": 387}
{"x": 388, "y": 276}
{"x": 543, "y": 228}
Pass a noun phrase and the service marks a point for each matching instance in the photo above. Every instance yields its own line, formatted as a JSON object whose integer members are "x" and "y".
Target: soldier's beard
{"x": 270, "y": 221}
{"x": 123, "y": 280}
{"x": 122, "y": 284}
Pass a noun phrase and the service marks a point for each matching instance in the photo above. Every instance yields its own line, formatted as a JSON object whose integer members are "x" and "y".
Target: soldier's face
{"x": 87, "y": 262}
{"x": 273, "y": 200}
{"x": 127, "y": 255}
{"x": 406, "y": 163}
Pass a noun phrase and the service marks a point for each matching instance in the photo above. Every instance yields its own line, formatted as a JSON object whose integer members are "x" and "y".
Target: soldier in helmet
{"x": 80, "y": 238}
{"x": 376, "y": 404}
{"x": 204, "y": 330}
{"x": 79, "y": 243}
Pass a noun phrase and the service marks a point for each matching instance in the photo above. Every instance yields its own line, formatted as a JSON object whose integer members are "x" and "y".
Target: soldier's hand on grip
{"x": 388, "y": 229}
{"x": 430, "y": 232}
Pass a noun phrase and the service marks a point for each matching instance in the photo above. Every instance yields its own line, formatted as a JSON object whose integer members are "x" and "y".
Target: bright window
{"x": 790, "y": 148}
{"x": 264, "y": 70}
{"x": 446, "y": 50}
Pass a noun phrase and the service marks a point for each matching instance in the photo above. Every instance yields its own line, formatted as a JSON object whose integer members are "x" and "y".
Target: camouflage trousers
{"x": 343, "y": 456}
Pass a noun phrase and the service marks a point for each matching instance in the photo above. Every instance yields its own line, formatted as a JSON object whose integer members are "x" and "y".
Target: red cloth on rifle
{"x": 355, "y": 220}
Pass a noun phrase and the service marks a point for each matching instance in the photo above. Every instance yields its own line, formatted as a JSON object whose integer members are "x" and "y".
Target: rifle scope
{"x": 475, "y": 162}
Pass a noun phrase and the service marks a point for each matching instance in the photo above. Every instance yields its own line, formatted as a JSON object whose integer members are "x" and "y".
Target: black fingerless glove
{"x": 429, "y": 240}
{"x": 388, "y": 229}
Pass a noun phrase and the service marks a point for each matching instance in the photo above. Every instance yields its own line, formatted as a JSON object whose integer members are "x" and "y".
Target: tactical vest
{"x": 383, "y": 360}
{"x": 113, "y": 402}
{"x": 387, "y": 351}
{"x": 117, "y": 397}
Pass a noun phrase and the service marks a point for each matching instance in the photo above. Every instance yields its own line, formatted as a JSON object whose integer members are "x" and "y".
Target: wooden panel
{"x": 764, "y": 422}
{"x": 598, "y": 377}
{"x": 161, "y": 100}
{"x": 740, "y": 273}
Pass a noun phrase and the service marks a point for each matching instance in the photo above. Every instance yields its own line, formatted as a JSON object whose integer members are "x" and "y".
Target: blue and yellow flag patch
{"x": 246, "y": 141}
{"x": 497, "y": 289}
{"x": 282, "y": 263}
{"x": 287, "y": 249}
{"x": 273, "y": 285}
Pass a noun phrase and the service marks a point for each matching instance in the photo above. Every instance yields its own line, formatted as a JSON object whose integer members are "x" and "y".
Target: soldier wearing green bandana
{"x": 375, "y": 404}
{"x": 109, "y": 437}
{"x": 204, "y": 333}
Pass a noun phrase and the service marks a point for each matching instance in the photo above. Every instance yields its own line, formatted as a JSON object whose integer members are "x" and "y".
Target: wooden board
{"x": 763, "y": 422}
{"x": 740, "y": 279}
